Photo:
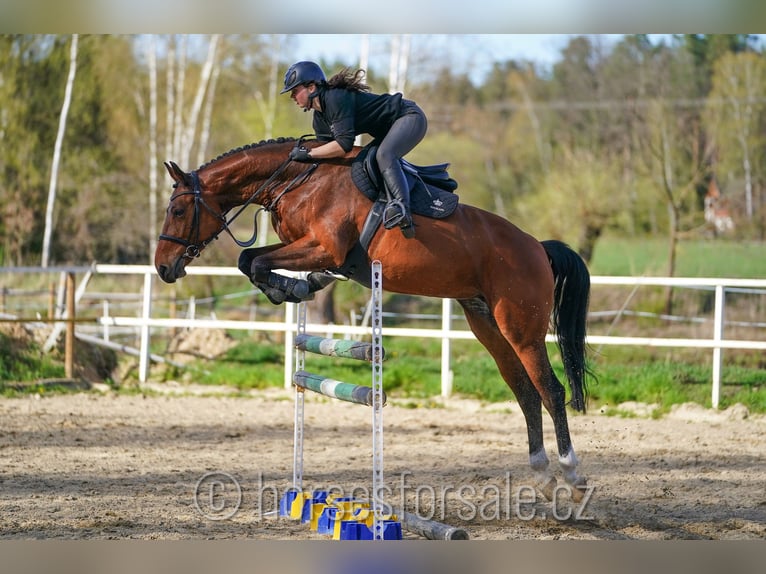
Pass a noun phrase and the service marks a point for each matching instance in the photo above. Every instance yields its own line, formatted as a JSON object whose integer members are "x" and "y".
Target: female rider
{"x": 343, "y": 108}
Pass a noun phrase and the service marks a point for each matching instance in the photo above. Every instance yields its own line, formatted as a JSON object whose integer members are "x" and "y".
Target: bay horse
{"x": 510, "y": 285}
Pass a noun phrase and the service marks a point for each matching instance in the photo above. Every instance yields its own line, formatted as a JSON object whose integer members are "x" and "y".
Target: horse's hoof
{"x": 276, "y": 296}
{"x": 293, "y": 299}
{"x": 548, "y": 487}
{"x": 577, "y": 494}
{"x": 578, "y": 490}
{"x": 298, "y": 288}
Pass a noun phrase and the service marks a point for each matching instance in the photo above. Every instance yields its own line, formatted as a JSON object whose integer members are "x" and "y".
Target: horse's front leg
{"x": 247, "y": 256}
{"x": 258, "y": 265}
{"x": 245, "y": 265}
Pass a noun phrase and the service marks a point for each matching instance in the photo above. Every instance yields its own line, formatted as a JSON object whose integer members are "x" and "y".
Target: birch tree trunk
{"x": 743, "y": 115}
{"x": 170, "y": 75}
{"x": 268, "y": 109}
{"x": 57, "y": 151}
{"x": 364, "y": 58}
{"x": 268, "y": 104}
{"x": 207, "y": 116}
{"x": 397, "y": 69}
{"x": 187, "y": 139}
{"x": 179, "y": 88}
{"x": 152, "y": 59}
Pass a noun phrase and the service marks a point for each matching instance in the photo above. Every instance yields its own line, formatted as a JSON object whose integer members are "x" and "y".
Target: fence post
{"x": 192, "y": 311}
{"x": 446, "y": 372}
{"x": 717, "y": 336}
{"x": 105, "y": 321}
{"x": 69, "y": 340}
{"x": 51, "y": 300}
{"x": 143, "y": 364}
{"x": 173, "y": 309}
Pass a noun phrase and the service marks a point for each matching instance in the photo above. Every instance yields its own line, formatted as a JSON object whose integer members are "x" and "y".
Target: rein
{"x": 193, "y": 244}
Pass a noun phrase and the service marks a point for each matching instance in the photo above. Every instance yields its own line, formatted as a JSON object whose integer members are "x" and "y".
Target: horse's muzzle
{"x": 171, "y": 273}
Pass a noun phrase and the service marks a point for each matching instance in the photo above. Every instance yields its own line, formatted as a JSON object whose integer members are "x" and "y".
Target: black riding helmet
{"x": 302, "y": 73}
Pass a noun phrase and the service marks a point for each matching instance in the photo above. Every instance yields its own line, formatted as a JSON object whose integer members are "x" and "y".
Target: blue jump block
{"x": 351, "y": 530}
{"x": 318, "y": 496}
{"x": 326, "y": 522}
{"x": 286, "y": 502}
{"x": 288, "y": 498}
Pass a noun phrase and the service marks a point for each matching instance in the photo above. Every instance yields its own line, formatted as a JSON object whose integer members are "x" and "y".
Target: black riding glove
{"x": 300, "y": 154}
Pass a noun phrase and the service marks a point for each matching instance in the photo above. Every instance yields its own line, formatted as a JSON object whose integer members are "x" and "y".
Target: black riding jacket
{"x": 346, "y": 114}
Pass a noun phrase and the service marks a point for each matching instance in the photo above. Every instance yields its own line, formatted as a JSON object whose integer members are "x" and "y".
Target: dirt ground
{"x": 100, "y": 465}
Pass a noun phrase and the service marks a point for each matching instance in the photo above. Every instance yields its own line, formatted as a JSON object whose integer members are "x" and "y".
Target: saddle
{"x": 431, "y": 195}
{"x": 431, "y": 190}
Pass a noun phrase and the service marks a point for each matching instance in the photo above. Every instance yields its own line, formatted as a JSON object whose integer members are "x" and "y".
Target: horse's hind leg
{"x": 531, "y": 351}
{"x": 486, "y": 330}
{"x": 554, "y": 400}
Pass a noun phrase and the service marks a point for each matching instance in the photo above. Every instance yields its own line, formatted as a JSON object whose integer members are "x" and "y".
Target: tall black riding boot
{"x": 398, "y": 208}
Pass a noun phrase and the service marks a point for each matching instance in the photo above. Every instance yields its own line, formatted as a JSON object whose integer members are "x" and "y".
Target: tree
{"x": 578, "y": 199}
{"x": 676, "y": 155}
{"x": 57, "y": 150}
{"x": 398, "y": 62}
{"x": 622, "y": 128}
{"x": 734, "y": 113}
{"x": 706, "y": 49}
{"x": 15, "y": 141}
{"x": 151, "y": 58}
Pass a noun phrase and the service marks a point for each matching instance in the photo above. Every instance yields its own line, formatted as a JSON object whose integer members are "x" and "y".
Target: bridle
{"x": 193, "y": 244}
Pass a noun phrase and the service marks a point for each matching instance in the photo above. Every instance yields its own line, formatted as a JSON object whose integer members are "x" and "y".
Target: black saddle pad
{"x": 428, "y": 196}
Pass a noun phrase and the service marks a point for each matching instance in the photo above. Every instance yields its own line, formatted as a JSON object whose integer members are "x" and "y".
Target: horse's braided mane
{"x": 245, "y": 147}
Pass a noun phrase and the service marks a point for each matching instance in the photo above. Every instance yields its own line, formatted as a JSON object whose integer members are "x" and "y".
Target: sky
{"x": 471, "y": 53}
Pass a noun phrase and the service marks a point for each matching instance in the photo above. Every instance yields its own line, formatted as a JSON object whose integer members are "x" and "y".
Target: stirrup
{"x": 394, "y": 214}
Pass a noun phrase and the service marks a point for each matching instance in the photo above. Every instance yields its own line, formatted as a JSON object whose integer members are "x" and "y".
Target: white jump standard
{"x": 363, "y": 519}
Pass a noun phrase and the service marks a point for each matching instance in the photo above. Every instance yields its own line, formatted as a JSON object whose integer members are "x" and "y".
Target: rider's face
{"x": 300, "y": 94}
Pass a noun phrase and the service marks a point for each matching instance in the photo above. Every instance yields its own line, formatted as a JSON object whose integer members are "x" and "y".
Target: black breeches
{"x": 404, "y": 135}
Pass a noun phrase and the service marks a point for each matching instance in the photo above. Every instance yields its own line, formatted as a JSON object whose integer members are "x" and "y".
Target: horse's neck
{"x": 240, "y": 178}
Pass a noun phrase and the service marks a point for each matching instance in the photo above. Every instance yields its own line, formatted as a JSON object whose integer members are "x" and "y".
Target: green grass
{"x": 668, "y": 377}
{"x": 412, "y": 370}
{"x": 698, "y": 258}
{"x": 25, "y": 363}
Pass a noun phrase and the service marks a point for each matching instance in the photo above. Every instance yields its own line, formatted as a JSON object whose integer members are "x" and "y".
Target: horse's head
{"x": 193, "y": 219}
{"x": 259, "y": 173}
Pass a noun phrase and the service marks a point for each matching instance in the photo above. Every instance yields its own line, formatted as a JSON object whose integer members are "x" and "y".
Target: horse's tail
{"x": 571, "y": 294}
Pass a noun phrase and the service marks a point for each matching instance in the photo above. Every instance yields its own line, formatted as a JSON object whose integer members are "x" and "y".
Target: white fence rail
{"x": 145, "y": 323}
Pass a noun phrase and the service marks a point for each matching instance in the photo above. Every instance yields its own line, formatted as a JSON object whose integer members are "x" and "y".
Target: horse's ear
{"x": 176, "y": 172}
